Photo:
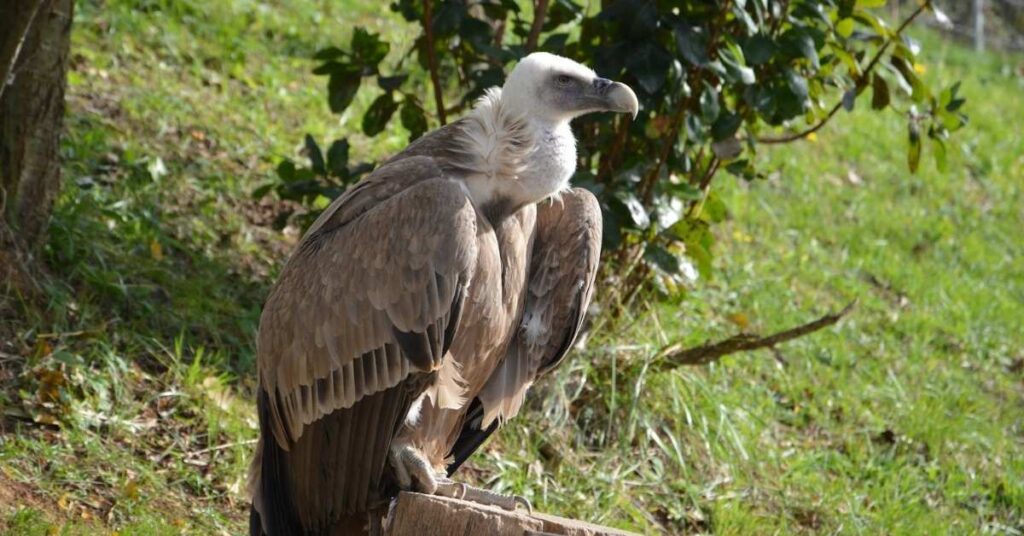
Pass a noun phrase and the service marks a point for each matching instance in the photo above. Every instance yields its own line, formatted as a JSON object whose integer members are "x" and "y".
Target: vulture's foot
{"x": 412, "y": 469}
{"x": 458, "y": 490}
{"x": 415, "y": 473}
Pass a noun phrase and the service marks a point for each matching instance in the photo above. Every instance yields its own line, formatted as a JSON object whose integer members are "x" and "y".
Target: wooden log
{"x": 415, "y": 514}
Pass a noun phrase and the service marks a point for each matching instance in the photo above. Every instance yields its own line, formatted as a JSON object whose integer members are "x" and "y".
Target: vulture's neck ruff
{"x": 512, "y": 159}
{"x": 516, "y": 147}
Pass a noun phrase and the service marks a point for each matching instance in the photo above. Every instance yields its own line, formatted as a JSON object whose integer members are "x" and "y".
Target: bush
{"x": 717, "y": 81}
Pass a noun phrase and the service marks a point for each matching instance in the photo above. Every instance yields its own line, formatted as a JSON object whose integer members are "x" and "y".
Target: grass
{"x": 903, "y": 419}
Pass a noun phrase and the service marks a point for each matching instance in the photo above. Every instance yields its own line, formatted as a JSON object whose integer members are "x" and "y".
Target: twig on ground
{"x": 675, "y": 356}
{"x": 222, "y": 447}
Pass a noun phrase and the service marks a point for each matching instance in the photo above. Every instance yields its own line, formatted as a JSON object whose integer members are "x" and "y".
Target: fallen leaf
{"x": 740, "y": 319}
{"x": 156, "y": 250}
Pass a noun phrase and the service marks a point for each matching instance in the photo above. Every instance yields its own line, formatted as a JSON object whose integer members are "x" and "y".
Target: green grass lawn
{"x": 906, "y": 418}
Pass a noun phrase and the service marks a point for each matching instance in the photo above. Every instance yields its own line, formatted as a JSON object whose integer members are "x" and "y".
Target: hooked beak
{"x": 616, "y": 96}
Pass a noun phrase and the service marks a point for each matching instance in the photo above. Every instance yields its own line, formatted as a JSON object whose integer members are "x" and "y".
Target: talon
{"x": 412, "y": 469}
{"x": 519, "y": 500}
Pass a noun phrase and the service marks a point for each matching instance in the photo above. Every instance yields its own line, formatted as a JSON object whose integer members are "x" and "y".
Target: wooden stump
{"x": 415, "y": 514}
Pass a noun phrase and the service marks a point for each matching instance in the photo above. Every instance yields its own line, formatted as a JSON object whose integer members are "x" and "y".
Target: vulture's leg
{"x": 414, "y": 472}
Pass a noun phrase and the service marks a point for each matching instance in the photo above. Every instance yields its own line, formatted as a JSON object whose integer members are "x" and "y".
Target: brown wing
{"x": 563, "y": 266}
{"x": 357, "y": 324}
{"x": 378, "y": 273}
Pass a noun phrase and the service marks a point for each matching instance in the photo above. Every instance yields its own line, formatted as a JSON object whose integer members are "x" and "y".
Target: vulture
{"x": 421, "y": 305}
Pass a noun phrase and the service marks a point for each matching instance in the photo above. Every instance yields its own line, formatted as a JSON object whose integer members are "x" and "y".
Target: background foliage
{"x": 716, "y": 80}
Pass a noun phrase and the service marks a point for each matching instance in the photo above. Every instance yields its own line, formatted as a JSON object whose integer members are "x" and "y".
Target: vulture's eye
{"x": 563, "y": 80}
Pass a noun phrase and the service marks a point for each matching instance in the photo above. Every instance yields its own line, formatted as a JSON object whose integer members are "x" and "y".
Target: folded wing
{"x": 356, "y": 327}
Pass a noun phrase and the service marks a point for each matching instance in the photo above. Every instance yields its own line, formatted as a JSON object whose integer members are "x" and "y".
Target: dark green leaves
{"x": 368, "y": 49}
{"x": 879, "y": 92}
{"x": 692, "y": 43}
{"x": 799, "y": 42}
{"x": 337, "y": 158}
{"x": 413, "y": 118}
{"x": 914, "y": 146}
{"x": 346, "y": 69}
{"x": 380, "y": 112}
{"x": 316, "y": 158}
{"x": 717, "y": 82}
{"x": 342, "y": 88}
{"x": 649, "y": 64}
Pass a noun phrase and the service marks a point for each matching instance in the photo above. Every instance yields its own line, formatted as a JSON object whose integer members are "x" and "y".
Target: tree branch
{"x": 435, "y": 78}
{"x": 540, "y": 10}
{"x": 861, "y": 79}
{"x": 674, "y": 356}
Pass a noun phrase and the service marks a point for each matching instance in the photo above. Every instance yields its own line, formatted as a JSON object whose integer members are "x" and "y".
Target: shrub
{"x": 717, "y": 81}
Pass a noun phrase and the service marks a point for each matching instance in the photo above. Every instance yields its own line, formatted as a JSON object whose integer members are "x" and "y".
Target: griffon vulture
{"x": 423, "y": 303}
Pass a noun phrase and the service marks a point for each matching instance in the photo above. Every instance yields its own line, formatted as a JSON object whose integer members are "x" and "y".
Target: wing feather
{"x": 356, "y": 327}
{"x": 563, "y": 266}
{"x": 366, "y": 277}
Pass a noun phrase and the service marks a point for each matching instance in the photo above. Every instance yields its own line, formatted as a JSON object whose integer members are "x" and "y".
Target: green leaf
{"x": 368, "y": 49}
{"x": 329, "y": 53}
{"x": 341, "y": 89}
{"x": 692, "y": 43}
{"x": 800, "y": 42}
{"x": 649, "y": 64}
{"x": 263, "y": 190}
{"x": 920, "y": 92}
{"x": 914, "y": 147}
{"x": 391, "y": 83}
{"x": 697, "y": 237}
{"x": 879, "y": 92}
{"x": 868, "y": 4}
{"x": 413, "y": 118}
{"x": 735, "y": 66}
{"x": 380, "y": 112}
{"x": 759, "y": 49}
{"x": 337, "y": 158}
{"x": 286, "y": 170}
{"x": 662, "y": 259}
{"x": 849, "y": 99}
{"x": 633, "y": 209}
{"x": 714, "y": 209}
{"x": 797, "y": 84}
{"x": 316, "y": 157}
{"x": 845, "y": 27}
{"x": 725, "y": 126}
{"x": 685, "y": 191}
{"x": 709, "y": 107}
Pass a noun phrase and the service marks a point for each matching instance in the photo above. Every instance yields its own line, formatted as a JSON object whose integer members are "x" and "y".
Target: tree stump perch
{"x": 433, "y": 515}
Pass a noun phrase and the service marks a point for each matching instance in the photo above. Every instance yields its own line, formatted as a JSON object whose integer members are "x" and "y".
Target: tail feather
{"x": 273, "y": 511}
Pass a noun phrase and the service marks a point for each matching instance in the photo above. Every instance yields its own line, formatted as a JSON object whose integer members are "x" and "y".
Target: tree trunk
{"x": 34, "y": 47}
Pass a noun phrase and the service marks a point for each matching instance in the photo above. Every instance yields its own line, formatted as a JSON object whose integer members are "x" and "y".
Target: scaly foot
{"x": 449, "y": 488}
{"x": 415, "y": 473}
